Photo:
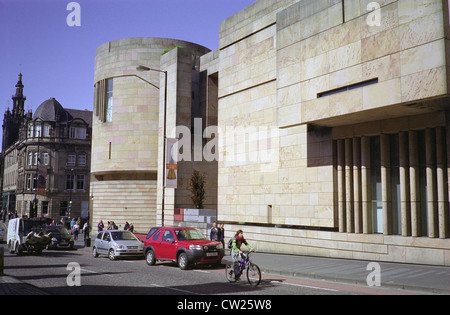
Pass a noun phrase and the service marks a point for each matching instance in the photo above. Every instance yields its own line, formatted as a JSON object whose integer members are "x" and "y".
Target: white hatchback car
{"x": 116, "y": 243}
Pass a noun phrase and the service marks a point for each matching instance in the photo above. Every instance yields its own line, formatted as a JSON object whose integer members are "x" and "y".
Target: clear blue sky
{"x": 58, "y": 61}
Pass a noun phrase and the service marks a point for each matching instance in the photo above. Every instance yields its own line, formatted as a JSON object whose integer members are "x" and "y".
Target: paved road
{"x": 50, "y": 273}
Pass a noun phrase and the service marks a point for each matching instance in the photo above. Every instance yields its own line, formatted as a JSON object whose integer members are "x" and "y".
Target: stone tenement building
{"x": 333, "y": 123}
{"x": 46, "y": 159}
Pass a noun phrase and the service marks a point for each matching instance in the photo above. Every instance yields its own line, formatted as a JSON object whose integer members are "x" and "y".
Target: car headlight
{"x": 219, "y": 246}
{"x": 121, "y": 247}
{"x": 195, "y": 247}
{"x": 54, "y": 239}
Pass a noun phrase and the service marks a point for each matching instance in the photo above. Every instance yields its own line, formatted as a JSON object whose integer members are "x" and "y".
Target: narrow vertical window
{"x": 377, "y": 200}
{"x": 80, "y": 182}
{"x": 395, "y": 185}
{"x": 70, "y": 182}
{"x": 45, "y": 158}
{"x": 82, "y": 160}
{"x": 109, "y": 100}
{"x": 38, "y": 131}
{"x": 71, "y": 159}
{"x": 46, "y": 133}
{"x": 45, "y": 207}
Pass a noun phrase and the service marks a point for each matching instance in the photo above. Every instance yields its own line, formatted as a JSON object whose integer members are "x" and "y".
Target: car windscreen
{"x": 189, "y": 235}
{"x": 31, "y": 225}
{"x": 58, "y": 230}
{"x": 123, "y": 236}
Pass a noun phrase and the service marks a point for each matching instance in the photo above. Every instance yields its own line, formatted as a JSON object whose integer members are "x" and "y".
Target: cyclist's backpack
{"x": 230, "y": 243}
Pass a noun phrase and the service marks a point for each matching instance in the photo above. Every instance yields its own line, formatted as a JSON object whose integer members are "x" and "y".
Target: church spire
{"x": 19, "y": 99}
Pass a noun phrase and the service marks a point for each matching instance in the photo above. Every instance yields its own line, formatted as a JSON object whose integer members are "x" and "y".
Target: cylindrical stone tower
{"x": 126, "y": 129}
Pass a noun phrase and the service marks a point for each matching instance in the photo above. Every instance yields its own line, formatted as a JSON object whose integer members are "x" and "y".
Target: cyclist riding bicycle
{"x": 236, "y": 252}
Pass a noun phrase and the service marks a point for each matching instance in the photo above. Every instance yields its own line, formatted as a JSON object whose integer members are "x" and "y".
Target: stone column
{"x": 404, "y": 184}
{"x": 357, "y": 185}
{"x": 431, "y": 183}
{"x": 366, "y": 186}
{"x": 442, "y": 192}
{"x": 341, "y": 184}
{"x": 414, "y": 181}
{"x": 386, "y": 184}
{"x": 349, "y": 185}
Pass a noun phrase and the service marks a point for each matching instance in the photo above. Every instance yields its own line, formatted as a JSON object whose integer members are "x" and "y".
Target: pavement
{"x": 409, "y": 277}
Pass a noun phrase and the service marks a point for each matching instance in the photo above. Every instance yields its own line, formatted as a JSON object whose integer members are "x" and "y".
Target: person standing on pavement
{"x": 222, "y": 234}
{"x": 72, "y": 223}
{"x": 236, "y": 251}
{"x": 214, "y": 232}
{"x": 75, "y": 231}
{"x": 86, "y": 230}
{"x": 100, "y": 226}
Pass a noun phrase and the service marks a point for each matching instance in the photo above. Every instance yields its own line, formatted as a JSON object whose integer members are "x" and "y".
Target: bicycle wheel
{"x": 253, "y": 275}
{"x": 229, "y": 272}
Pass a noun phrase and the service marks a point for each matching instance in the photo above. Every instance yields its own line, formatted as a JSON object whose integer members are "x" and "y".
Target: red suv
{"x": 186, "y": 246}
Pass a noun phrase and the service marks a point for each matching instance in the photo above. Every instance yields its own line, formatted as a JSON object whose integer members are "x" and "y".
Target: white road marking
{"x": 304, "y": 286}
{"x": 174, "y": 289}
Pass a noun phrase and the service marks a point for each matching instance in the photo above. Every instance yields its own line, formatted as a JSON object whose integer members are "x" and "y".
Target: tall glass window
{"x": 395, "y": 184}
{"x": 375, "y": 177}
{"x": 80, "y": 182}
{"x": 71, "y": 159}
{"x": 109, "y": 100}
{"x": 70, "y": 182}
{"x": 46, "y": 131}
{"x": 423, "y": 183}
{"x": 38, "y": 131}
{"x": 45, "y": 158}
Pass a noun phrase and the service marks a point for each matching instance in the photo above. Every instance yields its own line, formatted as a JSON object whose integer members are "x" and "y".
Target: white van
{"x": 27, "y": 235}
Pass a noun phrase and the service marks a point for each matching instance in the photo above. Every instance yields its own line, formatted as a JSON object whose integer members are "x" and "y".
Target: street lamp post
{"x": 35, "y": 201}
{"x": 144, "y": 68}
{"x": 72, "y": 186}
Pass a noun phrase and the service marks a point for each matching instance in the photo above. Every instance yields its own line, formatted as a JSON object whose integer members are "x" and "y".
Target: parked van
{"x": 27, "y": 235}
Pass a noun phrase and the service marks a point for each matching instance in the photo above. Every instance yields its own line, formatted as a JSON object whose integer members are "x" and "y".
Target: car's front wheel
{"x": 183, "y": 261}
{"x": 150, "y": 257}
{"x": 111, "y": 254}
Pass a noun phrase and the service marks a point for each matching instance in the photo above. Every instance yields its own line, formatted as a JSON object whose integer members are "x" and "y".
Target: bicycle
{"x": 253, "y": 271}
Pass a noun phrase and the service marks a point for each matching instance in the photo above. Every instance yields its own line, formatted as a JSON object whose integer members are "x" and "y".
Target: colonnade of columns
{"x": 421, "y": 165}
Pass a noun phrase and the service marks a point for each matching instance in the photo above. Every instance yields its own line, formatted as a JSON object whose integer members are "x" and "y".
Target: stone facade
{"x": 359, "y": 113}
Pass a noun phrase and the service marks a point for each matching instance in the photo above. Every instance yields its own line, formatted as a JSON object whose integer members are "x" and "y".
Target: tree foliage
{"x": 197, "y": 188}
